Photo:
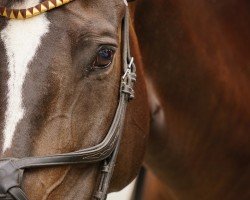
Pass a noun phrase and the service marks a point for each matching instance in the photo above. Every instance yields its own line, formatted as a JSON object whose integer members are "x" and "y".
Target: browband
{"x": 33, "y": 11}
{"x": 42, "y": 7}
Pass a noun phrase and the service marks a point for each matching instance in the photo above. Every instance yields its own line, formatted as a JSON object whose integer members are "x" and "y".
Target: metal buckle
{"x": 128, "y": 80}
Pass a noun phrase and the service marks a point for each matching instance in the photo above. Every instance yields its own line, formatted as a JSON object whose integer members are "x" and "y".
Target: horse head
{"x": 60, "y": 92}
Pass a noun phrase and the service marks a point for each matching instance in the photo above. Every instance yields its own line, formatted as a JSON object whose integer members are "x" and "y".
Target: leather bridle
{"x": 12, "y": 169}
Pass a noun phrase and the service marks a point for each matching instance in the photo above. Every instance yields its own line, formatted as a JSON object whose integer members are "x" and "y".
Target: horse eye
{"x": 103, "y": 58}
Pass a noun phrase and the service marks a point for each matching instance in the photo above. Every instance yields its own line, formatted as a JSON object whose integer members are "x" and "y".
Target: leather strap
{"x": 17, "y": 193}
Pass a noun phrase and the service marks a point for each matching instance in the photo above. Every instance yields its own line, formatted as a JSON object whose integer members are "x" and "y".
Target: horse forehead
{"x": 21, "y": 39}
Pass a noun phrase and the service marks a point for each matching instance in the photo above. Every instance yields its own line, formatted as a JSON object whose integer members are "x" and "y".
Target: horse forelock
{"x": 21, "y": 40}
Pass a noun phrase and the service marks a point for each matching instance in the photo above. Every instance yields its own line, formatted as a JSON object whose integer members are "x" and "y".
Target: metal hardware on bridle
{"x": 128, "y": 78}
{"x": 12, "y": 169}
{"x": 129, "y": 68}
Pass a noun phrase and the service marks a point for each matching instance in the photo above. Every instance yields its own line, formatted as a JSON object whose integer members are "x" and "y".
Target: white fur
{"x": 21, "y": 39}
{"x": 126, "y": 3}
{"x": 125, "y": 194}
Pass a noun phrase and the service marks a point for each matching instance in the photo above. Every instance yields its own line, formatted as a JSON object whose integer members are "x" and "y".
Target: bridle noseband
{"x": 12, "y": 169}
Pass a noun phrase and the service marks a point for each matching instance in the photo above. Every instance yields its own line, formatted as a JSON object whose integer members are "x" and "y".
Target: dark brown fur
{"x": 196, "y": 56}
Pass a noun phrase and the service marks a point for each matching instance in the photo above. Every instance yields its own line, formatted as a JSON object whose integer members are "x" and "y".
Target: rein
{"x": 12, "y": 169}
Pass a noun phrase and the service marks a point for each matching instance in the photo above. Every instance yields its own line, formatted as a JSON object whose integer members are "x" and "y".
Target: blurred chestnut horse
{"x": 197, "y": 63}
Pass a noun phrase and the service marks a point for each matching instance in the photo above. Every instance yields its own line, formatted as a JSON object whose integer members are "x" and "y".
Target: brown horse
{"x": 197, "y": 63}
{"x": 59, "y": 90}
{"x": 196, "y": 68}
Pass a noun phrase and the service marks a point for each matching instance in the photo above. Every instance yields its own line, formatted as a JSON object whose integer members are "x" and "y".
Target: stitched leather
{"x": 10, "y": 176}
{"x": 17, "y": 193}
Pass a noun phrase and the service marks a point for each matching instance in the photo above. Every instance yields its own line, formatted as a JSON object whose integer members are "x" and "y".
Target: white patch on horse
{"x": 125, "y": 194}
{"x": 21, "y": 39}
{"x": 126, "y": 3}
